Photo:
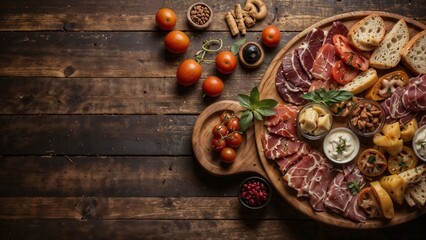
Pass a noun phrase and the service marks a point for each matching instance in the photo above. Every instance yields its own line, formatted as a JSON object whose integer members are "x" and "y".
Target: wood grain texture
{"x": 134, "y": 15}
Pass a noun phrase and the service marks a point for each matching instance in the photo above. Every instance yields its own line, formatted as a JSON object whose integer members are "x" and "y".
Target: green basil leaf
{"x": 244, "y": 101}
{"x": 257, "y": 115}
{"x": 245, "y": 120}
{"x": 254, "y": 96}
{"x": 267, "y": 103}
{"x": 235, "y": 47}
{"x": 265, "y": 112}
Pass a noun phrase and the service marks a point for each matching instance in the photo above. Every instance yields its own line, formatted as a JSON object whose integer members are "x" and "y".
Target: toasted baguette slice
{"x": 413, "y": 54}
{"x": 366, "y": 34}
{"x": 362, "y": 81}
{"x": 413, "y": 175}
{"x": 418, "y": 192}
{"x": 409, "y": 199}
{"x": 387, "y": 54}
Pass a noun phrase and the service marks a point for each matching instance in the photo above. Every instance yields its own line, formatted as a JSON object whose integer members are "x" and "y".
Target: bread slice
{"x": 362, "y": 81}
{"x": 387, "y": 54}
{"x": 366, "y": 34}
{"x": 413, "y": 54}
{"x": 410, "y": 201}
{"x": 418, "y": 192}
{"x": 413, "y": 175}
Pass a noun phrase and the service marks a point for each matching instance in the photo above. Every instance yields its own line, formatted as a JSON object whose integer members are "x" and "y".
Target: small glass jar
{"x": 255, "y": 192}
{"x": 366, "y": 118}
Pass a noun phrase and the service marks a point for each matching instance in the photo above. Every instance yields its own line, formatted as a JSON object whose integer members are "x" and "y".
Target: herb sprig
{"x": 255, "y": 108}
{"x": 327, "y": 97}
{"x": 341, "y": 146}
{"x": 354, "y": 187}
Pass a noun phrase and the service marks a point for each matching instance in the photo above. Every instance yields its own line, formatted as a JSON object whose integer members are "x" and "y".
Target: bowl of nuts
{"x": 200, "y": 15}
{"x": 254, "y": 192}
{"x": 366, "y": 118}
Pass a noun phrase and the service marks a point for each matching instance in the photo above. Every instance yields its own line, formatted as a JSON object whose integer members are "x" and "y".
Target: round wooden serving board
{"x": 268, "y": 90}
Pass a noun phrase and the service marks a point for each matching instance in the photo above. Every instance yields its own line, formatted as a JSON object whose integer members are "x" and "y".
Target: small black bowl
{"x": 255, "y": 192}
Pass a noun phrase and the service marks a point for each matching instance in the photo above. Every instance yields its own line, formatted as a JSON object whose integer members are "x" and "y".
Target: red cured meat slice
{"x": 309, "y": 48}
{"x": 319, "y": 185}
{"x": 285, "y": 128}
{"x": 397, "y": 109}
{"x": 294, "y": 72}
{"x": 288, "y": 91}
{"x": 355, "y": 212}
{"x": 338, "y": 195}
{"x": 283, "y": 112}
{"x": 414, "y": 98}
{"x": 276, "y": 147}
{"x": 336, "y": 28}
{"x": 286, "y": 163}
{"x": 324, "y": 62}
{"x": 299, "y": 176}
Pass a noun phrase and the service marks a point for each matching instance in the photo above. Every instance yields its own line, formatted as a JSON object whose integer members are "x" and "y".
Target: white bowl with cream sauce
{"x": 419, "y": 143}
{"x": 341, "y": 145}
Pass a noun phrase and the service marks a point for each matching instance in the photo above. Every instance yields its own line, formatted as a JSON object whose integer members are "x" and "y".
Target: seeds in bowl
{"x": 200, "y": 14}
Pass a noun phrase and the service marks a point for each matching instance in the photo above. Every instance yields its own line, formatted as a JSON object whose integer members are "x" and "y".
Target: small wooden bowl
{"x": 195, "y": 25}
{"x": 255, "y": 64}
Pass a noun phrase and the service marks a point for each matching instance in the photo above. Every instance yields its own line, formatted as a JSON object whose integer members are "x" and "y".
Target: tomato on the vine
{"x": 213, "y": 86}
{"x": 218, "y": 144}
{"x": 225, "y": 117}
{"x": 226, "y": 62}
{"x": 228, "y": 155}
{"x": 271, "y": 36}
{"x": 176, "y": 41}
{"x": 219, "y": 131}
{"x": 165, "y": 18}
{"x": 348, "y": 54}
{"x": 188, "y": 72}
{"x": 233, "y": 124}
{"x": 342, "y": 73}
{"x": 234, "y": 139}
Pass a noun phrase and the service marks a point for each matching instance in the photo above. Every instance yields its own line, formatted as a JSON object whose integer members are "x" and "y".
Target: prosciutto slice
{"x": 294, "y": 72}
{"x": 283, "y": 112}
{"x": 276, "y": 147}
{"x": 414, "y": 97}
{"x": 309, "y": 48}
{"x": 319, "y": 185}
{"x": 286, "y": 163}
{"x": 288, "y": 91}
{"x": 336, "y": 28}
{"x": 324, "y": 62}
{"x": 299, "y": 176}
{"x": 338, "y": 195}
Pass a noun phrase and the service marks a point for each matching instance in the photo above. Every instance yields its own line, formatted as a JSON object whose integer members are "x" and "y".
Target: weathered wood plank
{"x": 142, "y": 208}
{"x": 70, "y": 176}
{"x": 96, "y": 134}
{"x": 196, "y": 229}
{"x": 137, "y": 15}
{"x": 129, "y": 54}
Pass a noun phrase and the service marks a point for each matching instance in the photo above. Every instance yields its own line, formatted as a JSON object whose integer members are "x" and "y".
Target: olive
{"x": 251, "y": 53}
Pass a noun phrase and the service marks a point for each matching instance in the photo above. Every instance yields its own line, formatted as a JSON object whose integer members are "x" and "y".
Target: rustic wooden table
{"x": 95, "y": 133}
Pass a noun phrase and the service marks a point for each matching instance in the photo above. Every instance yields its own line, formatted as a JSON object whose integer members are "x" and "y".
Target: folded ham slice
{"x": 320, "y": 183}
{"x": 309, "y": 48}
{"x": 336, "y": 28}
{"x": 276, "y": 147}
{"x": 414, "y": 96}
{"x": 324, "y": 62}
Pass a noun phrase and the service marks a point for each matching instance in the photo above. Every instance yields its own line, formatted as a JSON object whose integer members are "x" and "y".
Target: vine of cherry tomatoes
{"x": 227, "y": 137}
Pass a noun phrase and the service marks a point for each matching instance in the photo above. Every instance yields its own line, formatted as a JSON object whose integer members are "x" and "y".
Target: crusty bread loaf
{"x": 362, "y": 81}
{"x": 366, "y": 34}
{"x": 387, "y": 54}
{"x": 413, "y": 54}
{"x": 418, "y": 192}
{"x": 413, "y": 175}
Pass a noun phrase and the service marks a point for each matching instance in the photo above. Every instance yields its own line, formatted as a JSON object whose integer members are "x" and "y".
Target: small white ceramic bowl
{"x": 332, "y": 136}
{"x": 416, "y": 140}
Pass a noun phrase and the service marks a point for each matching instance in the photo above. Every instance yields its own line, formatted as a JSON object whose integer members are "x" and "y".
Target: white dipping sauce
{"x": 341, "y": 145}
{"x": 420, "y": 142}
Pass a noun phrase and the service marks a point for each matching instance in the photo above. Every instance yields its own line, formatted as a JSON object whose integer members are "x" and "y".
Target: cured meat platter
{"x": 251, "y": 153}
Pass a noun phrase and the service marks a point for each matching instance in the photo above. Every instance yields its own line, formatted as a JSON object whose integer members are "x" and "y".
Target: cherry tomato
{"x": 225, "y": 117}
{"x": 219, "y": 131}
{"x": 165, "y": 18}
{"x": 234, "y": 139}
{"x": 188, "y": 72}
{"x": 176, "y": 41}
{"x": 226, "y": 62}
{"x": 368, "y": 201}
{"x": 271, "y": 36}
{"x": 228, "y": 155}
{"x": 342, "y": 73}
{"x": 348, "y": 54}
{"x": 213, "y": 86}
{"x": 218, "y": 144}
{"x": 233, "y": 124}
